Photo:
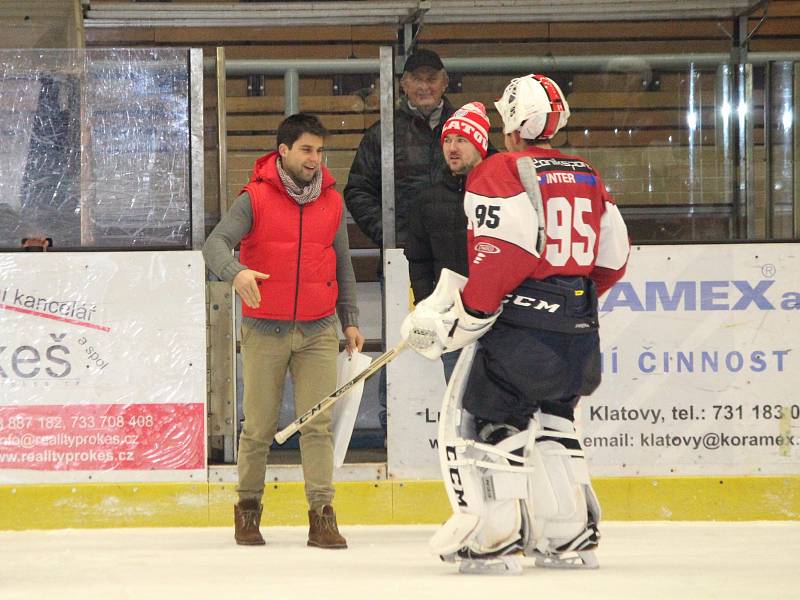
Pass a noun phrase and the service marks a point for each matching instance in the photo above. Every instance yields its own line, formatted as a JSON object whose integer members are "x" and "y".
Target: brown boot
{"x": 247, "y": 516}
{"x": 322, "y": 529}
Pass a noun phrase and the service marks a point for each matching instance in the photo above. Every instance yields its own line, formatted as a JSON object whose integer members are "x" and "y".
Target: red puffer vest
{"x": 293, "y": 244}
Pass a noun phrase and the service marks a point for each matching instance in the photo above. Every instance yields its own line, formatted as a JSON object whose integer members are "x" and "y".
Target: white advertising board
{"x": 700, "y": 369}
{"x": 700, "y": 364}
{"x": 414, "y": 387}
{"x": 102, "y": 367}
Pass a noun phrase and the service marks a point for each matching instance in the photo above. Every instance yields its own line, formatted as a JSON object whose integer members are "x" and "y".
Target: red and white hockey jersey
{"x": 583, "y": 231}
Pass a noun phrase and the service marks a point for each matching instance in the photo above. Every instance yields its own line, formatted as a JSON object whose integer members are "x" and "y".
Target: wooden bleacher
{"x": 613, "y": 127}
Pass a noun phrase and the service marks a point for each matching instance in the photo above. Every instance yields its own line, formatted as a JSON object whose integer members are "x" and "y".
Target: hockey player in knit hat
{"x": 545, "y": 240}
{"x": 437, "y": 235}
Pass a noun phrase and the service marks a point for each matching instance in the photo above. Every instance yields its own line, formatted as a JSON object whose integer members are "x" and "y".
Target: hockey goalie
{"x": 545, "y": 240}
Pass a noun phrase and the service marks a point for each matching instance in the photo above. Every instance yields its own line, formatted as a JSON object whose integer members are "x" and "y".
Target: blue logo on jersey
{"x": 559, "y": 177}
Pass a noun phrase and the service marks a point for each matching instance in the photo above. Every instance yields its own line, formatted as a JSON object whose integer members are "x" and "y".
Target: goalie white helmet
{"x": 535, "y": 106}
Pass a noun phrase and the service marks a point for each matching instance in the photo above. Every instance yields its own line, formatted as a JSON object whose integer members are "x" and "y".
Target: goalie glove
{"x": 439, "y": 323}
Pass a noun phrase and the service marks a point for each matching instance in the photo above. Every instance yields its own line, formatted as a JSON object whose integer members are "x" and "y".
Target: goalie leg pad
{"x": 486, "y": 483}
{"x": 564, "y": 508}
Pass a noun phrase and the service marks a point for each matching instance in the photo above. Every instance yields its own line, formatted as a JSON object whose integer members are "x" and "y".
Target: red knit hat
{"x": 470, "y": 122}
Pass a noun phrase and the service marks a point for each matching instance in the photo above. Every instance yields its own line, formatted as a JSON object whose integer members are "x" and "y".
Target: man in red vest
{"x": 293, "y": 274}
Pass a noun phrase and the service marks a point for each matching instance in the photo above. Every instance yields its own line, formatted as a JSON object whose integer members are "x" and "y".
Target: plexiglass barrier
{"x": 95, "y": 148}
{"x": 692, "y": 151}
{"x": 666, "y": 146}
{"x": 692, "y": 154}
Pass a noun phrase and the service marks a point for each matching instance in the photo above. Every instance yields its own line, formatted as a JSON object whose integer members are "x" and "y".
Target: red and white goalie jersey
{"x": 584, "y": 231}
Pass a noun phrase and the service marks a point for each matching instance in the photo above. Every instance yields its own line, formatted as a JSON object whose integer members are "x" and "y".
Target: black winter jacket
{"x": 437, "y": 234}
{"x": 419, "y": 162}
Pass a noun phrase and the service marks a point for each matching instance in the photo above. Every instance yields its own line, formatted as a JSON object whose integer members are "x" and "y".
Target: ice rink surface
{"x": 675, "y": 561}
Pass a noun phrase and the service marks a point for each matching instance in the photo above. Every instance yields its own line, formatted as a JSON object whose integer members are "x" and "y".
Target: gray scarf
{"x": 301, "y": 195}
{"x": 433, "y": 118}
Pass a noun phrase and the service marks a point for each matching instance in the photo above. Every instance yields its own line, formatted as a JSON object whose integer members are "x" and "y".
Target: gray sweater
{"x": 235, "y": 224}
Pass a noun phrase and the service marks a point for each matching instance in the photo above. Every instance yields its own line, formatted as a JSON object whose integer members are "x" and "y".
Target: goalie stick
{"x": 530, "y": 181}
{"x": 328, "y": 401}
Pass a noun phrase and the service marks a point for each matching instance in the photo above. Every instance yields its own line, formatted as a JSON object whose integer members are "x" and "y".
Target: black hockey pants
{"x": 518, "y": 370}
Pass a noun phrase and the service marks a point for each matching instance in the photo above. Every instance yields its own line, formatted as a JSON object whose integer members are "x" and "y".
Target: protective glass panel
{"x": 665, "y": 144}
{"x": 94, "y": 148}
{"x": 783, "y": 183}
{"x": 694, "y": 153}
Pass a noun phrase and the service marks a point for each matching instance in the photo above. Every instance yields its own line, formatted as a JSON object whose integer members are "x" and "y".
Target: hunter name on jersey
{"x": 562, "y": 177}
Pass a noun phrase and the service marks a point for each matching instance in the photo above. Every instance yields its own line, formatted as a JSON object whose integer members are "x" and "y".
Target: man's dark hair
{"x": 291, "y": 128}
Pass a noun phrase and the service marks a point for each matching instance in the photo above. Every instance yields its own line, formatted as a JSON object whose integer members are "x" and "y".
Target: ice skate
{"x": 579, "y": 559}
{"x": 578, "y": 554}
{"x": 498, "y": 565}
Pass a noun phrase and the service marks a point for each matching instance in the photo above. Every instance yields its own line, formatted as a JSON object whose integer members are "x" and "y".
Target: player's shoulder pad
{"x": 575, "y": 157}
{"x": 500, "y": 167}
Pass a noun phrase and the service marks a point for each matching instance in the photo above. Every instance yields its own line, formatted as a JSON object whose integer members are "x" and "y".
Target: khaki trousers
{"x": 311, "y": 361}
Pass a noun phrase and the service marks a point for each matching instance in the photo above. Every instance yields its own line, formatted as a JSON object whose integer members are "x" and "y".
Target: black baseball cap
{"x": 423, "y": 58}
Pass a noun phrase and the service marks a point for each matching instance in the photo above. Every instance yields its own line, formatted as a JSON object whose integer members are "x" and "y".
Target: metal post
{"x": 744, "y": 201}
{"x": 291, "y": 92}
{"x": 231, "y": 448}
{"x": 723, "y": 129}
{"x": 408, "y": 37}
{"x": 225, "y": 327}
{"x": 769, "y": 198}
{"x": 746, "y": 97}
{"x": 387, "y": 147}
{"x": 387, "y": 184}
{"x": 795, "y": 122}
{"x": 88, "y": 197}
{"x": 222, "y": 417}
{"x": 739, "y": 40}
{"x": 77, "y": 32}
{"x": 222, "y": 132}
{"x": 780, "y": 177}
{"x": 197, "y": 202}
{"x": 695, "y": 130}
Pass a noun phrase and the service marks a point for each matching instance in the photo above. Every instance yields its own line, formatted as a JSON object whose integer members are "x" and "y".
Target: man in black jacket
{"x": 419, "y": 162}
{"x": 438, "y": 225}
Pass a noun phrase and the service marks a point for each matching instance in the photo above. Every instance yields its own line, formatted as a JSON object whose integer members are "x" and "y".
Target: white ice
{"x": 675, "y": 561}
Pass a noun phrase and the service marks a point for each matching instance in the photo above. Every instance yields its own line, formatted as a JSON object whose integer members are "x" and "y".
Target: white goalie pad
{"x": 528, "y": 492}
{"x": 439, "y": 323}
{"x": 486, "y": 484}
{"x": 564, "y": 510}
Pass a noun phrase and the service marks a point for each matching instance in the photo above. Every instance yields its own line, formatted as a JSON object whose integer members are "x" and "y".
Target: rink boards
{"x": 694, "y": 420}
{"x": 380, "y": 502}
{"x": 700, "y": 368}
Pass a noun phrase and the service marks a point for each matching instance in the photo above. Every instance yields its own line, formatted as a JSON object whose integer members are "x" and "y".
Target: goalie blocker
{"x": 439, "y": 323}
